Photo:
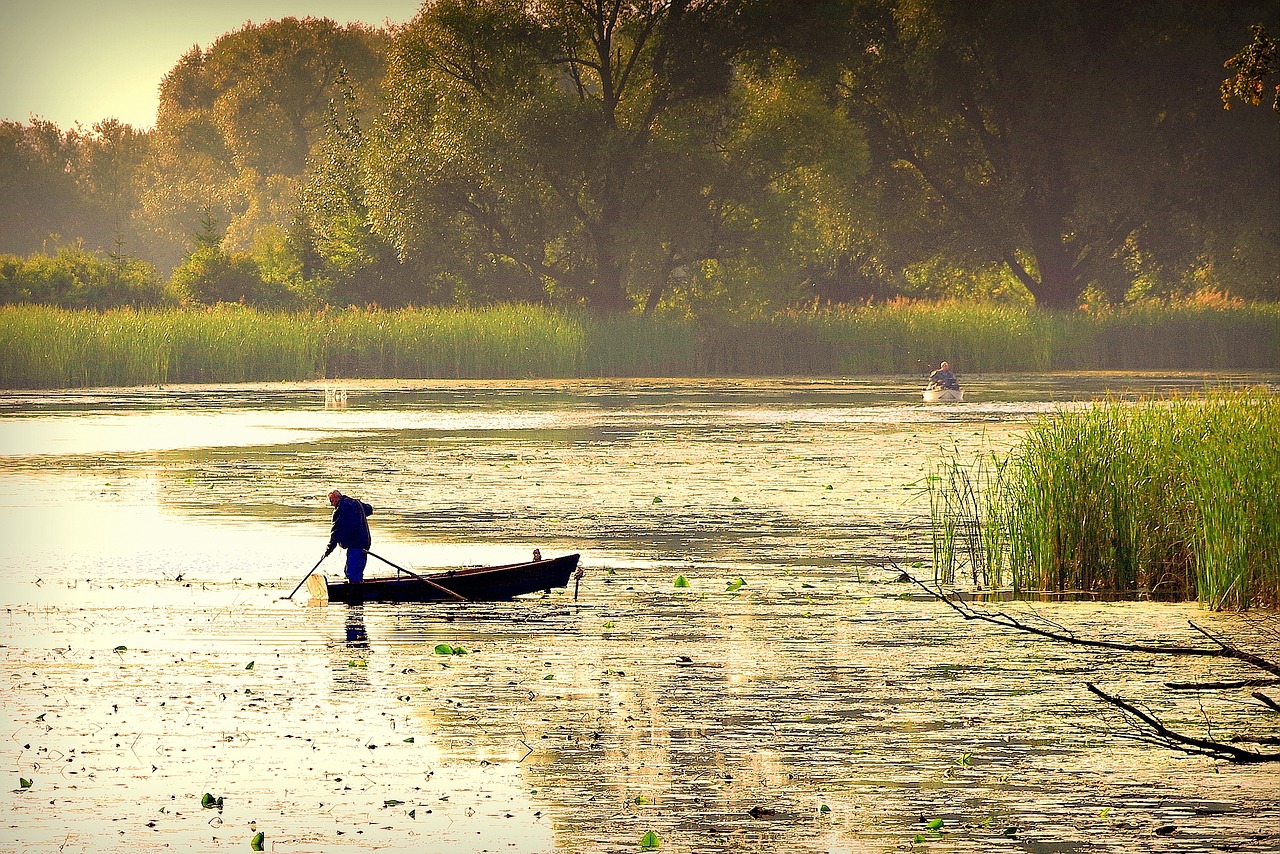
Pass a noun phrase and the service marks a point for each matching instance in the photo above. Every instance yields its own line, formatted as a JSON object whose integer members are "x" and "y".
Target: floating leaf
{"x": 357, "y": 662}
{"x": 249, "y": 666}
{"x": 829, "y": 486}
{"x": 392, "y": 803}
{"x": 657, "y": 500}
{"x": 640, "y": 800}
{"x": 444, "y": 649}
{"x": 966, "y": 759}
{"x": 121, "y": 648}
{"x": 608, "y": 624}
{"x": 650, "y": 840}
{"x": 736, "y": 585}
{"x": 24, "y": 783}
{"x": 681, "y": 581}
{"x": 736, "y": 500}
{"x": 409, "y": 740}
{"x": 210, "y": 802}
{"x": 933, "y": 824}
{"x": 549, "y": 676}
{"x": 258, "y": 839}
{"x": 824, "y": 808}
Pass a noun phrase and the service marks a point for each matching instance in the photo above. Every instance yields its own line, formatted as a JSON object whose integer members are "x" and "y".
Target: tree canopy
{"x": 690, "y": 156}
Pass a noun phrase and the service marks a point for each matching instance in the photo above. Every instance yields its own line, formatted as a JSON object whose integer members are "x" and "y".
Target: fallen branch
{"x": 1149, "y": 728}
{"x": 1162, "y": 735}
{"x": 999, "y": 618}
{"x": 1228, "y": 685}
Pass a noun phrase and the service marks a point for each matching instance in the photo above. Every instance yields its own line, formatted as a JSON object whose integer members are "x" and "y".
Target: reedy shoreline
{"x": 1166, "y": 498}
{"x": 47, "y": 347}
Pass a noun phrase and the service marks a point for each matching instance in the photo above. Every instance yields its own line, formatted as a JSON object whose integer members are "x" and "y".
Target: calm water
{"x": 149, "y": 535}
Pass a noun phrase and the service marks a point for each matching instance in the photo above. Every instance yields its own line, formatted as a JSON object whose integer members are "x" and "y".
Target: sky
{"x": 81, "y": 61}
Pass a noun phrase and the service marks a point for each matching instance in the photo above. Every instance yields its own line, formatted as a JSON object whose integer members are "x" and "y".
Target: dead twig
{"x": 1162, "y": 735}
{"x": 1149, "y": 728}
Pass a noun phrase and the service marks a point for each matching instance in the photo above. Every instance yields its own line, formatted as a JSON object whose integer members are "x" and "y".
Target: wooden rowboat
{"x": 473, "y": 584}
{"x": 940, "y": 395}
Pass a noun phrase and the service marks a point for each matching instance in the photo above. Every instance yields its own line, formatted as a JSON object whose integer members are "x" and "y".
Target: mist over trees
{"x": 700, "y": 157}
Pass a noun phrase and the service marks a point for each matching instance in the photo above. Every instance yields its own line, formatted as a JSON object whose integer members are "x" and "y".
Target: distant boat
{"x": 475, "y": 584}
{"x": 943, "y": 395}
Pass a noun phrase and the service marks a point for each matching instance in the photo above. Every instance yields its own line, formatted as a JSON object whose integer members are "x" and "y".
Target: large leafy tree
{"x": 236, "y": 123}
{"x": 39, "y": 196}
{"x": 565, "y": 146}
{"x": 1066, "y": 142}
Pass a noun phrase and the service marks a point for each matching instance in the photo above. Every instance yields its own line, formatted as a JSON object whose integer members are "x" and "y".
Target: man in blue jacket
{"x": 351, "y": 531}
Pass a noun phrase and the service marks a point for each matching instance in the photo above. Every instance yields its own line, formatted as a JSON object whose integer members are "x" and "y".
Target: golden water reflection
{"x": 148, "y": 656}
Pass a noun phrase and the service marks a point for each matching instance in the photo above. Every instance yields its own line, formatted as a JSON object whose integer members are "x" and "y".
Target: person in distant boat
{"x": 351, "y": 531}
{"x": 943, "y": 378}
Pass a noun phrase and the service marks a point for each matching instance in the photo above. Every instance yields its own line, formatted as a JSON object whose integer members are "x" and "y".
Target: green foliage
{"x": 210, "y": 275}
{"x": 48, "y": 347}
{"x": 75, "y": 277}
{"x": 237, "y": 121}
{"x": 447, "y": 649}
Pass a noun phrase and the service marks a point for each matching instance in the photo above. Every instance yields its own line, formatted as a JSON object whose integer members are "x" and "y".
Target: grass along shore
{"x": 46, "y": 347}
{"x": 1175, "y": 498}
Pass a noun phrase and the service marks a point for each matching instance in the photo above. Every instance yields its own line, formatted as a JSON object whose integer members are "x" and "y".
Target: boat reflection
{"x": 350, "y": 659}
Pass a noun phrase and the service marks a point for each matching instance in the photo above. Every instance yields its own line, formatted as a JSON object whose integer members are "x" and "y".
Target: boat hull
{"x": 474, "y": 584}
{"x": 943, "y": 395}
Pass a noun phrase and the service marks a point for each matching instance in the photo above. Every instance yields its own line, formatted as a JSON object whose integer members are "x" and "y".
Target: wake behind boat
{"x": 472, "y": 584}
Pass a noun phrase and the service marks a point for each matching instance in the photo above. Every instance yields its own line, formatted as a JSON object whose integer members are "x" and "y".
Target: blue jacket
{"x": 943, "y": 379}
{"x": 350, "y": 530}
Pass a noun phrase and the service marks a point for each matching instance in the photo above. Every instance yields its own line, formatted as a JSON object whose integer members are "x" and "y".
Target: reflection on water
{"x": 149, "y": 537}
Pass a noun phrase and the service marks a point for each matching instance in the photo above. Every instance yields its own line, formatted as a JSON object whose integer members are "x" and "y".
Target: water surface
{"x": 150, "y": 533}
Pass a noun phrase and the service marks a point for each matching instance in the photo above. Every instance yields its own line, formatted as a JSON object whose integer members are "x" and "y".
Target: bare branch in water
{"x": 1155, "y": 732}
{"x": 1147, "y": 727}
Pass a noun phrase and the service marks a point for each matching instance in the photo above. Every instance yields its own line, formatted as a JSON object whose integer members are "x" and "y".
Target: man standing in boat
{"x": 943, "y": 378}
{"x": 351, "y": 531}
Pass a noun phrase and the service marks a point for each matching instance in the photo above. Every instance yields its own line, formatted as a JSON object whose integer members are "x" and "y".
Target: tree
{"x": 1062, "y": 141}
{"x": 547, "y": 139}
{"x": 333, "y": 230}
{"x": 112, "y": 165}
{"x": 1254, "y": 63}
{"x": 39, "y": 196}
{"x": 236, "y": 122}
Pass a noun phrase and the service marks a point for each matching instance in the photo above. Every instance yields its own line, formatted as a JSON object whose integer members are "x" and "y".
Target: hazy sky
{"x": 72, "y": 61}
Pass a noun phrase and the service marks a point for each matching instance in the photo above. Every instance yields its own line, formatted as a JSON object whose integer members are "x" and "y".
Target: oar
{"x": 455, "y": 595}
{"x": 308, "y": 575}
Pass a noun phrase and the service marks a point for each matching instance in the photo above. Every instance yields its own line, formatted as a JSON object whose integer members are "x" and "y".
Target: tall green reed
{"x": 45, "y": 347}
{"x": 1168, "y": 498}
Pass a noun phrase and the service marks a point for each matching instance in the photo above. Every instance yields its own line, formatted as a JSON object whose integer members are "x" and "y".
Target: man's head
{"x": 946, "y": 366}
{"x": 335, "y": 497}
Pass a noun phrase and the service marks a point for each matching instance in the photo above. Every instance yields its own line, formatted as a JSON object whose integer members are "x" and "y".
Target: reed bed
{"x": 1171, "y": 498}
{"x": 47, "y": 347}
{"x": 502, "y": 342}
